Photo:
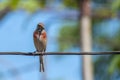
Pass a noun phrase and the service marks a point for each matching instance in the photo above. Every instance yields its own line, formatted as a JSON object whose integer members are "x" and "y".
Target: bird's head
{"x": 40, "y": 27}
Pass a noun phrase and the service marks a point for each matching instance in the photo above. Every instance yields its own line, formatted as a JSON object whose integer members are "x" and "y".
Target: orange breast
{"x": 44, "y": 35}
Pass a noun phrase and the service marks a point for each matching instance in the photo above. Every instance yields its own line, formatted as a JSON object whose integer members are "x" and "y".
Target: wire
{"x": 61, "y": 53}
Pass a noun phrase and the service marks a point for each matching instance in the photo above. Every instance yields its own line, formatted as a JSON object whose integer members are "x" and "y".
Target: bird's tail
{"x": 41, "y": 64}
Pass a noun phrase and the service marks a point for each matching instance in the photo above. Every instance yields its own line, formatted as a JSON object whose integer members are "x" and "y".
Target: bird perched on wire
{"x": 40, "y": 40}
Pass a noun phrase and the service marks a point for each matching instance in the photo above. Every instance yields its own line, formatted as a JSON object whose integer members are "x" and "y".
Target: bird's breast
{"x": 43, "y": 35}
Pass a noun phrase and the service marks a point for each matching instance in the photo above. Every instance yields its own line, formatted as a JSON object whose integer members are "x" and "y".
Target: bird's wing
{"x": 36, "y": 41}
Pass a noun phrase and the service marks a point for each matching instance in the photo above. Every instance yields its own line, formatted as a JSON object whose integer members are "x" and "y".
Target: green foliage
{"x": 71, "y": 3}
{"x": 107, "y": 67}
{"x": 115, "y": 5}
{"x": 115, "y": 64}
{"x": 29, "y": 5}
{"x": 101, "y": 65}
{"x": 69, "y": 37}
{"x": 42, "y": 3}
{"x": 3, "y": 5}
{"x": 112, "y": 43}
{"x": 13, "y": 3}
{"x": 106, "y": 13}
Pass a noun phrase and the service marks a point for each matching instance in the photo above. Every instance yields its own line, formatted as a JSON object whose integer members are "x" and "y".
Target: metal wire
{"x": 61, "y": 53}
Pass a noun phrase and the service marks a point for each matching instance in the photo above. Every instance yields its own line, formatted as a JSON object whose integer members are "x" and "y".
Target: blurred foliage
{"x": 114, "y": 64}
{"x": 103, "y": 71}
{"x": 28, "y": 5}
{"x": 105, "y": 67}
{"x": 71, "y": 3}
{"x": 13, "y": 4}
{"x": 42, "y": 3}
{"x": 116, "y": 5}
{"x": 69, "y": 36}
{"x": 111, "y": 42}
{"x": 101, "y": 1}
{"x": 99, "y": 15}
{"x": 109, "y": 64}
{"x": 3, "y": 5}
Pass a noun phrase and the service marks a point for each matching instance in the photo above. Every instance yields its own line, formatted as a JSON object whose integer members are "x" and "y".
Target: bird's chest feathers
{"x": 43, "y": 35}
{"x": 39, "y": 36}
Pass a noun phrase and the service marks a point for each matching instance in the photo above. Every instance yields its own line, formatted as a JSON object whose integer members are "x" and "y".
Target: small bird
{"x": 40, "y": 40}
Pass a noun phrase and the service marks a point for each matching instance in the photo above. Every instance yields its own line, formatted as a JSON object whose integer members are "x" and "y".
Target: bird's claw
{"x": 34, "y": 53}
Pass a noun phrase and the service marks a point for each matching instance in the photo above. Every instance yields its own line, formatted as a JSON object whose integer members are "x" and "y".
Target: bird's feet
{"x": 35, "y": 52}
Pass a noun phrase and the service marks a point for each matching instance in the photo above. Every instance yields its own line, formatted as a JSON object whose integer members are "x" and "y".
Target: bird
{"x": 40, "y": 40}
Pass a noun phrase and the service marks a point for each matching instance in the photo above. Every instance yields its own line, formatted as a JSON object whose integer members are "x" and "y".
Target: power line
{"x": 61, "y": 53}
